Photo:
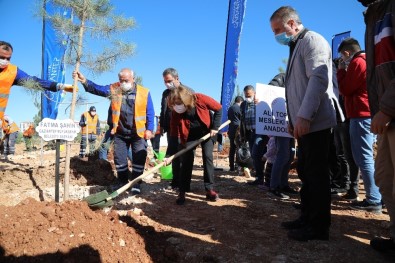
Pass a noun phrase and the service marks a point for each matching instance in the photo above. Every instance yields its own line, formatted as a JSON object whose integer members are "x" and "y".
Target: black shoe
{"x": 307, "y": 233}
{"x": 297, "y": 205}
{"x": 338, "y": 191}
{"x": 289, "y": 190}
{"x": 278, "y": 194}
{"x": 382, "y": 244}
{"x": 181, "y": 198}
{"x": 366, "y": 206}
{"x": 256, "y": 182}
{"x": 350, "y": 196}
{"x": 295, "y": 224}
{"x": 211, "y": 195}
{"x": 136, "y": 189}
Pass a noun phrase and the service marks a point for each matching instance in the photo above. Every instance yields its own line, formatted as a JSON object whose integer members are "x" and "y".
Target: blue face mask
{"x": 283, "y": 39}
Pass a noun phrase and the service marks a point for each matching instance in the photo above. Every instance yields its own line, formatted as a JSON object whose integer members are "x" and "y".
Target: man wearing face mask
{"x": 351, "y": 76}
{"x": 171, "y": 80}
{"x": 90, "y": 129}
{"x": 256, "y": 142}
{"x": 310, "y": 100}
{"x": 380, "y": 77}
{"x": 12, "y": 75}
{"x": 132, "y": 118}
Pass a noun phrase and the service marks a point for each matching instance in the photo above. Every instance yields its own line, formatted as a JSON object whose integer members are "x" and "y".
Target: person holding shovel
{"x": 191, "y": 120}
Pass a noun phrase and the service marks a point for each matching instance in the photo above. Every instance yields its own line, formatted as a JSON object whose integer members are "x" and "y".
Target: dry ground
{"x": 243, "y": 226}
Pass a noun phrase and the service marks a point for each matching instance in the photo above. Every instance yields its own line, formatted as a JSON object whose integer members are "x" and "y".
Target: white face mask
{"x": 249, "y": 99}
{"x": 4, "y": 63}
{"x": 93, "y": 113}
{"x": 126, "y": 86}
{"x": 179, "y": 108}
{"x": 170, "y": 85}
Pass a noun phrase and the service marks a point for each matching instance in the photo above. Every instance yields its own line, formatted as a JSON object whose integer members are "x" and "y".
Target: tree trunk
{"x": 72, "y": 109}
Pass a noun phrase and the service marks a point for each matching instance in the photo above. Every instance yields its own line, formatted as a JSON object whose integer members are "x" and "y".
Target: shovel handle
{"x": 157, "y": 167}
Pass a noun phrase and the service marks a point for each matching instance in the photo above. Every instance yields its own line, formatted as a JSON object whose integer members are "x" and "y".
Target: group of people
{"x": 366, "y": 83}
{"x": 316, "y": 121}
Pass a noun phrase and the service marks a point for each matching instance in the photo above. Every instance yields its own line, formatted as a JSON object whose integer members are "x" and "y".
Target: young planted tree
{"x": 92, "y": 20}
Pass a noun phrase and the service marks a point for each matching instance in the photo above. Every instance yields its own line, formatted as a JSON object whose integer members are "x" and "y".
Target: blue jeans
{"x": 257, "y": 143}
{"x": 362, "y": 151}
{"x": 105, "y": 145}
{"x": 284, "y": 156}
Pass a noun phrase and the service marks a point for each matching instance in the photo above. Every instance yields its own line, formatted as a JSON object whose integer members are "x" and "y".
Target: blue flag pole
{"x": 236, "y": 14}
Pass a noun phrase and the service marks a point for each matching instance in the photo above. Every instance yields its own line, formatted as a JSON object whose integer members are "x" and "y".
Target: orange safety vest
{"x": 91, "y": 123}
{"x": 29, "y": 131}
{"x": 7, "y": 77}
{"x": 9, "y": 128}
{"x": 140, "y": 107}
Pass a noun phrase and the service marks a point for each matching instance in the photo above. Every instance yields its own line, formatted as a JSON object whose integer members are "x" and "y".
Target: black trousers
{"x": 313, "y": 171}
{"x": 208, "y": 166}
{"x": 176, "y": 163}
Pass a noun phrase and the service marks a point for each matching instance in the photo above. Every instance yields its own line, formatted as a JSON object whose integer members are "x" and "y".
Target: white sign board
{"x": 49, "y": 129}
{"x": 271, "y": 111}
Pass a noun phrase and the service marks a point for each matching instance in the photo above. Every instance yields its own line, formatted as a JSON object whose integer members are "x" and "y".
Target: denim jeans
{"x": 284, "y": 156}
{"x": 105, "y": 145}
{"x": 258, "y": 148}
{"x": 362, "y": 151}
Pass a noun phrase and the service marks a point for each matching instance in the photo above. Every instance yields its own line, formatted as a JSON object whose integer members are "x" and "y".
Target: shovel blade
{"x": 98, "y": 200}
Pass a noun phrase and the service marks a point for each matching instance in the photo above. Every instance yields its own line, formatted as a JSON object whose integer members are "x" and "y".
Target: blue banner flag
{"x": 235, "y": 23}
{"x": 52, "y": 63}
{"x": 336, "y": 40}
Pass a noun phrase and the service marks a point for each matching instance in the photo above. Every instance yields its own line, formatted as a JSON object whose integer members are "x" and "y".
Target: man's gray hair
{"x": 285, "y": 13}
{"x": 173, "y": 72}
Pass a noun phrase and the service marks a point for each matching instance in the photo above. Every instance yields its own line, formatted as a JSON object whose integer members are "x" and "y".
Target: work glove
{"x": 66, "y": 87}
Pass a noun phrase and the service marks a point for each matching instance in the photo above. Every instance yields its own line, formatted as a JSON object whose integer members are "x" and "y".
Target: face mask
{"x": 170, "y": 85}
{"x": 249, "y": 100}
{"x": 283, "y": 39}
{"x": 4, "y": 63}
{"x": 93, "y": 113}
{"x": 126, "y": 86}
{"x": 179, "y": 108}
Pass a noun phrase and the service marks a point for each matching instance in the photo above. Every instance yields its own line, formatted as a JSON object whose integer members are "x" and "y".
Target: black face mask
{"x": 366, "y": 2}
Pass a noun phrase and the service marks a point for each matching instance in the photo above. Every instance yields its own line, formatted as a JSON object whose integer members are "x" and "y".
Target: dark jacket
{"x": 380, "y": 56}
{"x": 234, "y": 115}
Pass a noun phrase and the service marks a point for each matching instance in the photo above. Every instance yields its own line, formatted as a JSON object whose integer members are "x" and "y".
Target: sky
{"x": 184, "y": 34}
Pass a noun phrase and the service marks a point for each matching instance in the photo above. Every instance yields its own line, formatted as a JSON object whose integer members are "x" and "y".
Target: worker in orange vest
{"x": 90, "y": 130}
{"x": 27, "y": 136}
{"x": 132, "y": 117}
{"x": 11, "y": 75}
{"x": 10, "y": 134}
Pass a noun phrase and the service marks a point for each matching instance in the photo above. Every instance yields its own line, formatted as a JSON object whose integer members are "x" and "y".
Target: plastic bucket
{"x": 166, "y": 172}
{"x": 160, "y": 155}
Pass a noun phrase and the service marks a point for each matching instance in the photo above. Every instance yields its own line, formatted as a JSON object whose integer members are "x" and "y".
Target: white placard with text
{"x": 271, "y": 111}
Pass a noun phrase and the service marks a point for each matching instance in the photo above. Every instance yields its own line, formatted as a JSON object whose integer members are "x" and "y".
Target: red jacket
{"x": 180, "y": 126}
{"x": 352, "y": 85}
